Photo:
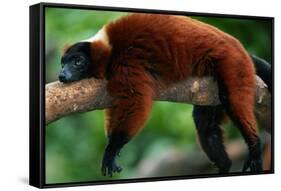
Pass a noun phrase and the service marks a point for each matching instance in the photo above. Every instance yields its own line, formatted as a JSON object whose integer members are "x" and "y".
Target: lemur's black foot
{"x": 254, "y": 161}
{"x": 254, "y": 164}
{"x": 109, "y": 165}
{"x": 224, "y": 167}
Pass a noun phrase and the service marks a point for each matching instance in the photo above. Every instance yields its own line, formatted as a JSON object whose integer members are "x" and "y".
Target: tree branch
{"x": 91, "y": 94}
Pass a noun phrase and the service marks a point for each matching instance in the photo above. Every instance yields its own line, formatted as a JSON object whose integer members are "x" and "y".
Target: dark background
{"x": 167, "y": 145}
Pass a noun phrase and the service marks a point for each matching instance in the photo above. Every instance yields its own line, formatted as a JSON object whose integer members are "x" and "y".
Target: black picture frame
{"x": 37, "y": 93}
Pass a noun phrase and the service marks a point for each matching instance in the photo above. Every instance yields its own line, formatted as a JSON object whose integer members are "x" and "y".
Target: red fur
{"x": 134, "y": 90}
{"x": 100, "y": 55}
{"x": 153, "y": 48}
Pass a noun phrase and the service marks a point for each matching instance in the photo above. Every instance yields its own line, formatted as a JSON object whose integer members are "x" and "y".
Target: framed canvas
{"x": 123, "y": 95}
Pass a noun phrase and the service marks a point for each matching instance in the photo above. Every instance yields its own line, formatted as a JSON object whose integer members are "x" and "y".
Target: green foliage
{"x": 75, "y": 144}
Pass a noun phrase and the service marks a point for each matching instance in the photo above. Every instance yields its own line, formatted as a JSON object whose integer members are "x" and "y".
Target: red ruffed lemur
{"x": 138, "y": 52}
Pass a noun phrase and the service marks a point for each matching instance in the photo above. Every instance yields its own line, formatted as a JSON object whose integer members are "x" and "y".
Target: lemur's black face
{"x": 75, "y": 63}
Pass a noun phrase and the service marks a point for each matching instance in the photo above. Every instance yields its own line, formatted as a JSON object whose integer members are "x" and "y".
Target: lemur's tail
{"x": 263, "y": 70}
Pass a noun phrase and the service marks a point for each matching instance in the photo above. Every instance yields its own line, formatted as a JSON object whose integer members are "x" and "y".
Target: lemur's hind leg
{"x": 237, "y": 94}
{"x": 133, "y": 94}
{"x": 207, "y": 120}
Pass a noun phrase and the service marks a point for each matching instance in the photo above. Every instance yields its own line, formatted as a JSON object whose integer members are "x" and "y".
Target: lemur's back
{"x": 180, "y": 43}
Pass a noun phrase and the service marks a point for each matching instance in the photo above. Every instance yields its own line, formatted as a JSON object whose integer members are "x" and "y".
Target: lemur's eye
{"x": 77, "y": 62}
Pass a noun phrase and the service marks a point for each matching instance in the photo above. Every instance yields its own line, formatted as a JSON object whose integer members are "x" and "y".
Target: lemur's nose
{"x": 62, "y": 77}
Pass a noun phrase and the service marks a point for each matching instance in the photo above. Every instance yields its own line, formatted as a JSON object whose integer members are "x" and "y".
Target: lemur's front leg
{"x": 133, "y": 95}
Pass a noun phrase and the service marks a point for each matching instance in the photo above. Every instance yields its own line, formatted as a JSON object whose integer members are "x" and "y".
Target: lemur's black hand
{"x": 109, "y": 165}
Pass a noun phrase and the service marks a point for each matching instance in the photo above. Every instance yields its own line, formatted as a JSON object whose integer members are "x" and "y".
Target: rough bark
{"x": 91, "y": 94}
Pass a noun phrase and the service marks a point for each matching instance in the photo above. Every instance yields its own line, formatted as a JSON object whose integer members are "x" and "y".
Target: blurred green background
{"x": 75, "y": 144}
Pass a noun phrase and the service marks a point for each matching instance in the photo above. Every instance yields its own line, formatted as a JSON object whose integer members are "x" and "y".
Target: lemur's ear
{"x": 65, "y": 47}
